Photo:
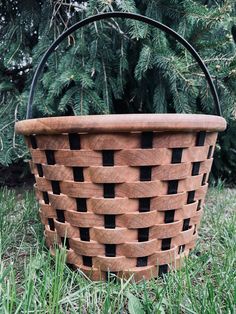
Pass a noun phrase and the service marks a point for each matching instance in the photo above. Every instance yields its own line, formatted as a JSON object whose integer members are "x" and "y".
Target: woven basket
{"x": 123, "y": 193}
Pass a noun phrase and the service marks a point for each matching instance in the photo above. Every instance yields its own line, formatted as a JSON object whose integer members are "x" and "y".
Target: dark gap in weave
{"x": 144, "y": 204}
{"x": 143, "y": 234}
{"x": 110, "y": 250}
{"x": 50, "y": 157}
{"x": 72, "y": 267}
{"x": 199, "y": 205}
{"x": 111, "y": 276}
{"x": 108, "y": 190}
{"x": 147, "y": 140}
{"x": 78, "y": 174}
{"x": 181, "y": 248}
{"x": 176, "y": 155}
{"x": 74, "y": 141}
{"x": 51, "y": 224}
{"x": 45, "y": 197}
{"x": 195, "y": 168}
{"x": 84, "y": 234}
{"x": 186, "y": 224}
{"x": 87, "y": 261}
{"x": 145, "y": 173}
{"x": 81, "y": 204}
{"x": 40, "y": 169}
{"x": 191, "y": 195}
{"x": 33, "y": 141}
{"x": 172, "y": 187}
{"x": 209, "y": 155}
{"x": 60, "y": 215}
{"x": 108, "y": 158}
{"x": 163, "y": 269}
{"x": 65, "y": 242}
{"x": 165, "y": 244}
{"x": 169, "y": 216}
{"x": 204, "y": 179}
{"x": 142, "y": 261}
{"x": 195, "y": 229}
{"x": 55, "y": 187}
{"x": 110, "y": 221}
{"x": 200, "y": 140}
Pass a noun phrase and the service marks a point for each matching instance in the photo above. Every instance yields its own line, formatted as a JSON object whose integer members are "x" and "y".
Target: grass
{"x": 31, "y": 281}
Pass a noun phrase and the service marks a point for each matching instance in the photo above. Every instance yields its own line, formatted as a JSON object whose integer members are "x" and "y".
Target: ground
{"x": 33, "y": 282}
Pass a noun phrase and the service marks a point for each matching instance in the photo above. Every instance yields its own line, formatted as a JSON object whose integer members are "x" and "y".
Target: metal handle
{"x": 133, "y": 16}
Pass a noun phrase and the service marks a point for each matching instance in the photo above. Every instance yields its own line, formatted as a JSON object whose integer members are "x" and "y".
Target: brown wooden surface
{"x": 121, "y": 123}
{"x": 186, "y": 202}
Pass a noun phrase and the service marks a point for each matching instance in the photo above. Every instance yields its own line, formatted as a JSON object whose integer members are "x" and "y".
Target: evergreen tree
{"x": 116, "y": 65}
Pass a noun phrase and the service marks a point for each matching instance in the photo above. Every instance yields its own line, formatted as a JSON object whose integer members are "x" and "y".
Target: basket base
{"x": 137, "y": 273}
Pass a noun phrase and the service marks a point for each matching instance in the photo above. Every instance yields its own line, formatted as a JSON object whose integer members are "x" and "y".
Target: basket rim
{"x": 121, "y": 123}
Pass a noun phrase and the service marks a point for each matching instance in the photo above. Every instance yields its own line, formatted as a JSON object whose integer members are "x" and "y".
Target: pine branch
{"x": 14, "y": 71}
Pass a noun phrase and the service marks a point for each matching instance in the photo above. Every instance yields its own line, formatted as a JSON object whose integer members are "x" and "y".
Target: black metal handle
{"x": 133, "y": 16}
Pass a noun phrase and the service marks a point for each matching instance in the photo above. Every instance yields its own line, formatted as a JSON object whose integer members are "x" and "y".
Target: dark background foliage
{"x": 115, "y": 66}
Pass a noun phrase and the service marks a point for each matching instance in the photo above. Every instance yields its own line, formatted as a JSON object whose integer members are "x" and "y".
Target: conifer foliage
{"x": 116, "y": 65}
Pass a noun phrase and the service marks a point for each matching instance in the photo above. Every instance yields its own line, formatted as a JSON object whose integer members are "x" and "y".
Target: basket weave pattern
{"x": 128, "y": 203}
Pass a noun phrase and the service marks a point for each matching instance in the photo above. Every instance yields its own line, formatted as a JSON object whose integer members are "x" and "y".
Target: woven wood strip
{"x": 163, "y": 257}
{"x": 166, "y": 202}
{"x": 116, "y": 174}
{"x": 38, "y": 156}
{"x": 47, "y": 210}
{"x": 146, "y": 273}
{"x": 195, "y": 220}
{"x": 143, "y": 157}
{"x": 81, "y": 189}
{"x": 80, "y": 158}
{"x": 53, "y": 142}
{"x": 138, "y": 249}
{"x": 57, "y": 173}
{"x": 195, "y": 154}
{"x": 72, "y": 258}
{"x": 114, "y": 263}
{"x": 109, "y": 141}
{"x": 141, "y": 189}
{"x": 160, "y": 231}
{"x": 113, "y": 236}
{"x": 201, "y": 192}
{"x": 211, "y": 138}
{"x": 91, "y": 248}
{"x": 121, "y": 174}
{"x": 172, "y": 171}
{"x": 43, "y": 184}
{"x": 167, "y": 140}
{"x": 62, "y": 201}
{"x": 205, "y": 166}
{"x": 184, "y": 237}
{"x": 135, "y": 220}
{"x": 66, "y": 230}
{"x": 112, "y": 206}
{"x": 190, "y": 183}
{"x": 187, "y": 211}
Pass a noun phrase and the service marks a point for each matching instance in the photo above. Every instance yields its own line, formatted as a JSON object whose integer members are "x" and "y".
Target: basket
{"x": 123, "y": 193}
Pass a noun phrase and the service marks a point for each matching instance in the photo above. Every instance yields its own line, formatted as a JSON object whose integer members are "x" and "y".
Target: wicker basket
{"x": 123, "y": 193}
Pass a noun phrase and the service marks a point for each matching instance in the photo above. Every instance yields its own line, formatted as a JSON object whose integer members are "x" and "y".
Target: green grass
{"x": 33, "y": 282}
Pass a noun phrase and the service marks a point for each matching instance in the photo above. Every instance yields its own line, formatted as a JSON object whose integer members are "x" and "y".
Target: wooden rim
{"x": 121, "y": 123}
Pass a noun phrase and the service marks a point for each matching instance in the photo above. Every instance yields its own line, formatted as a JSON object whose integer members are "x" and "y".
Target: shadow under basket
{"x": 123, "y": 193}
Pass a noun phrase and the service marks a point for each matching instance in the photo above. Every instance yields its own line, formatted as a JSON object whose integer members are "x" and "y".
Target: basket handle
{"x": 133, "y": 16}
